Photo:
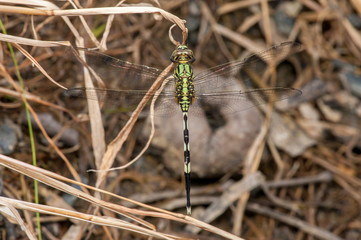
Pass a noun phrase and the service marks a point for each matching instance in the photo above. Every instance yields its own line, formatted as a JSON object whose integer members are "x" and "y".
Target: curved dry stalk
{"x": 86, "y": 27}
{"x": 96, "y": 122}
{"x": 32, "y": 59}
{"x": 8, "y": 210}
{"x": 110, "y": 19}
{"x": 32, "y": 42}
{"x": 184, "y": 34}
{"x": 175, "y": 42}
{"x": 117, "y": 143}
{"x": 156, "y": 95}
{"x": 34, "y": 98}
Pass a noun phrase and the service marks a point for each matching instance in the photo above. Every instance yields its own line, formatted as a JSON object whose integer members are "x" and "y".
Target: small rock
{"x": 69, "y": 136}
{"x": 285, "y": 15}
{"x": 288, "y": 136}
{"x": 354, "y": 81}
{"x": 355, "y": 20}
{"x": 8, "y": 138}
{"x": 309, "y": 112}
{"x": 328, "y": 107}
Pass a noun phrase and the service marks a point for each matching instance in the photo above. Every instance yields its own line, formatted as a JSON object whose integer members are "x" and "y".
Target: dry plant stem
{"x": 354, "y": 192}
{"x": 33, "y": 28}
{"x": 184, "y": 35}
{"x": 32, "y": 42}
{"x": 304, "y": 226}
{"x": 176, "y": 43}
{"x": 110, "y": 19}
{"x": 238, "y": 38}
{"x": 218, "y": 207}
{"x": 266, "y": 22}
{"x": 34, "y": 98}
{"x": 16, "y": 40}
{"x": 10, "y": 212}
{"x": 321, "y": 177}
{"x": 86, "y": 27}
{"x": 96, "y": 123}
{"x": 234, "y": 6}
{"x": 249, "y": 23}
{"x": 152, "y": 128}
{"x": 277, "y": 158}
{"x": 28, "y": 55}
{"x": 357, "y": 5}
{"x": 348, "y": 182}
{"x": 252, "y": 162}
{"x": 353, "y": 33}
{"x": 27, "y": 216}
{"x": 280, "y": 202}
{"x": 332, "y": 168}
{"x": 239, "y": 213}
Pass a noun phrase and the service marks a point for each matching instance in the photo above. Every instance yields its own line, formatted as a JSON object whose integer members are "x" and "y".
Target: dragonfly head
{"x": 182, "y": 55}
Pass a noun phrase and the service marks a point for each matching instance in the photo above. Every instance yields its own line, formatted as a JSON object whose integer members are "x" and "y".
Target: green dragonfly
{"x": 188, "y": 93}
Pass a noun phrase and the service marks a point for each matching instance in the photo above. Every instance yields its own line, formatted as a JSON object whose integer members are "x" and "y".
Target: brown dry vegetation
{"x": 295, "y": 174}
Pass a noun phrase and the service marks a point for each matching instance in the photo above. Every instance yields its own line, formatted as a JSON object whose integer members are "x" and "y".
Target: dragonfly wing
{"x": 229, "y": 102}
{"x": 166, "y": 106}
{"x": 119, "y": 74}
{"x": 216, "y": 77}
{"x": 127, "y": 100}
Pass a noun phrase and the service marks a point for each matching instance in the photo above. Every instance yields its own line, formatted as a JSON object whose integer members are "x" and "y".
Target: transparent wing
{"x": 127, "y": 100}
{"x": 126, "y": 84}
{"x": 229, "y": 102}
{"x": 228, "y": 87}
{"x": 216, "y": 77}
{"x": 119, "y": 74}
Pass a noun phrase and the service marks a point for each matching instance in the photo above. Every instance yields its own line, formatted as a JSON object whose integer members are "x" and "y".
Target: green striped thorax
{"x": 183, "y": 75}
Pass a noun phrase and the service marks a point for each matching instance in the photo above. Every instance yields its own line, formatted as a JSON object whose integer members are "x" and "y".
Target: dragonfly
{"x": 188, "y": 92}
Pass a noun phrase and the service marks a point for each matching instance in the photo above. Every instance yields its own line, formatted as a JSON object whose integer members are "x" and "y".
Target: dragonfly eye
{"x": 173, "y": 59}
{"x": 180, "y": 55}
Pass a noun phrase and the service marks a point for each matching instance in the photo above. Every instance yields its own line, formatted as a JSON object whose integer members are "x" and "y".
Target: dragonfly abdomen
{"x": 187, "y": 161}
